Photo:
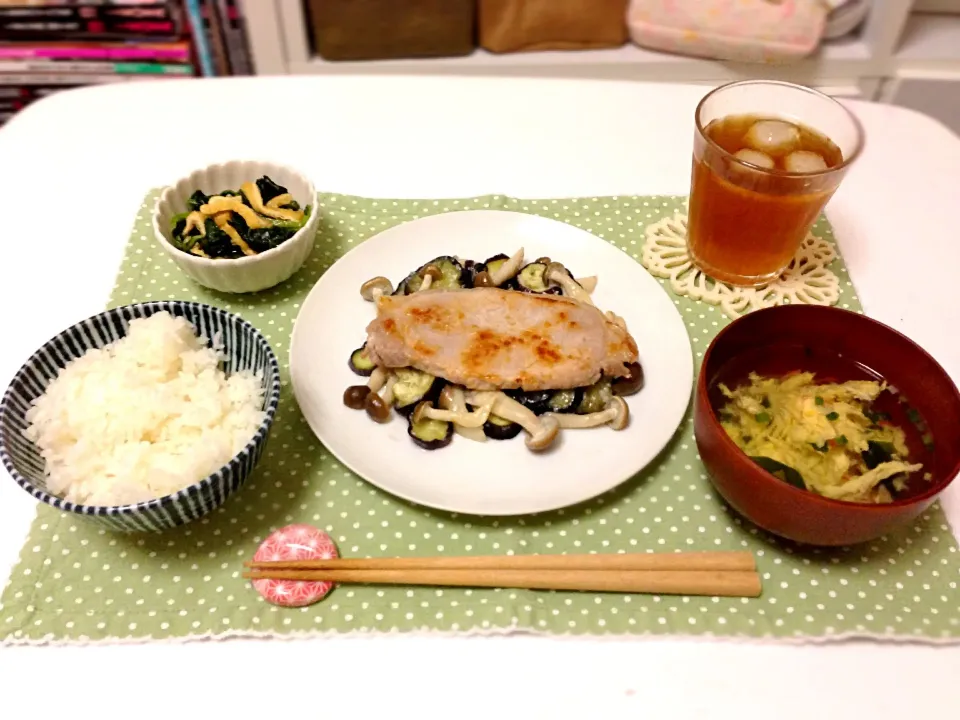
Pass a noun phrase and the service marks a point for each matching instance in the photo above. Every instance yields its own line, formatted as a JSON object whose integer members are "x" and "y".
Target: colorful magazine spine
{"x": 200, "y": 41}
{"x": 214, "y": 32}
{"x": 171, "y": 52}
{"x": 66, "y": 66}
{"x": 235, "y": 37}
{"x": 156, "y": 19}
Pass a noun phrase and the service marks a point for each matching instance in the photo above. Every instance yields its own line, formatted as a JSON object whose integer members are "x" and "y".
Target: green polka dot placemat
{"x": 77, "y": 583}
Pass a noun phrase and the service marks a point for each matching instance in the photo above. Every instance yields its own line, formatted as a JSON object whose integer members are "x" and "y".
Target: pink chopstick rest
{"x": 295, "y": 542}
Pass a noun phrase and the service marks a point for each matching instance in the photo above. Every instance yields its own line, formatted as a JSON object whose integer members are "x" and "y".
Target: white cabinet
{"x": 881, "y": 60}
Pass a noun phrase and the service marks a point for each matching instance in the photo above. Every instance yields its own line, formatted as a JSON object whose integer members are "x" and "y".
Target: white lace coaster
{"x": 807, "y": 280}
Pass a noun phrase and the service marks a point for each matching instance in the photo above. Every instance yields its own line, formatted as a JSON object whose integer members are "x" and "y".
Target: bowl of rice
{"x": 144, "y": 417}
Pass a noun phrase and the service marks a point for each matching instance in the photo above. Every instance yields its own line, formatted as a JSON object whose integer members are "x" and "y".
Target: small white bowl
{"x": 254, "y": 272}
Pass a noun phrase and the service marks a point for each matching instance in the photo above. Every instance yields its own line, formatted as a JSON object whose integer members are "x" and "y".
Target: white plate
{"x": 494, "y": 477}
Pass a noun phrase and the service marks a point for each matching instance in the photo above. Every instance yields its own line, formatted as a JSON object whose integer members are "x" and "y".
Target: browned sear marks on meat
{"x": 424, "y": 349}
{"x": 436, "y": 318}
{"x": 484, "y": 345}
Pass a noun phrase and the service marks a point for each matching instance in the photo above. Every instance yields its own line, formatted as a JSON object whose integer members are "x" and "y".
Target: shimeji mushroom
{"x": 464, "y": 418}
{"x": 541, "y": 431}
{"x": 453, "y": 398}
{"x": 616, "y": 414}
{"x": 378, "y": 404}
{"x": 589, "y": 284}
{"x": 497, "y": 277}
{"x": 355, "y": 396}
{"x": 556, "y": 274}
{"x": 430, "y": 274}
{"x": 373, "y": 288}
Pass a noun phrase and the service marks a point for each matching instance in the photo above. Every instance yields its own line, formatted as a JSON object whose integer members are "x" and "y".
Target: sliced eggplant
{"x": 413, "y": 386}
{"x": 630, "y": 383}
{"x": 530, "y": 279}
{"x": 565, "y": 401}
{"x": 496, "y": 428}
{"x": 430, "y": 434}
{"x": 596, "y": 397}
{"x": 360, "y": 362}
{"x": 453, "y": 276}
{"x": 490, "y": 264}
{"x": 537, "y": 401}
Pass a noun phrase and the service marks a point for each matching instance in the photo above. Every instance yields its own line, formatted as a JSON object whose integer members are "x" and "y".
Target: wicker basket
{"x": 523, "y": 25}
{"x": 385, "y": 29}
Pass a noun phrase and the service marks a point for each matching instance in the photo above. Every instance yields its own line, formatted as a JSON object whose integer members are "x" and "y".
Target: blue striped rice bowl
{"x": 245, "y": 348}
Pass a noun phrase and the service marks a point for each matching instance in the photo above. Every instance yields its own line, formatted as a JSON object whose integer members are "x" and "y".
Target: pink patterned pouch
{"x": 760, "y": 31}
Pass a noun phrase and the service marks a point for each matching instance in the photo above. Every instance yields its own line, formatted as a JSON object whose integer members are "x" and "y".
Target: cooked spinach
{"x": 877, "y": 453}
{"x": 781, "y": 471}
{"x": 217, "y": 243}
{"x": 269, "y": 189}
{"x": 197, "y": 200}
{"x": 263, "y": 239}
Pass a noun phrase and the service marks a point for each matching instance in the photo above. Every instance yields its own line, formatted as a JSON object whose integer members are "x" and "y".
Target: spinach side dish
{"x": 258, "y": 217}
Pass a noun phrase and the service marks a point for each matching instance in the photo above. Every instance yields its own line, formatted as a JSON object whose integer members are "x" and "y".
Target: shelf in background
{"x": 838, "y": 59}
{"x": 930, "y": 42}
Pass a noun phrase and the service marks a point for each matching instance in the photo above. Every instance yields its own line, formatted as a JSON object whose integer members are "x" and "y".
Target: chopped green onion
{"x": 762, "y": 417}
{"x": 842, "y": 440}
{"x": 831, "y": 416}
{"x": 818, "y": 400}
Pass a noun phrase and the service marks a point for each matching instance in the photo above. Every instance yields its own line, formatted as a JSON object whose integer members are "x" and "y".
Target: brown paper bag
{"x": 523, "y": 25}
{"x": 384, "y": 29}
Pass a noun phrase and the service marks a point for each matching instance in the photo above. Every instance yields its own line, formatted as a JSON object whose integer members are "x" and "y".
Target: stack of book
{"x": 52, "y": 45}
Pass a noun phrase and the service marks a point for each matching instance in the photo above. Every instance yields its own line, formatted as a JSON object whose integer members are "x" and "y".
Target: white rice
{"x": 143, "y": 417}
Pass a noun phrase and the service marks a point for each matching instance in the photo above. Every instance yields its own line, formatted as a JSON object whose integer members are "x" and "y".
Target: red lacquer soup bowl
{"x": 836, "y": 345}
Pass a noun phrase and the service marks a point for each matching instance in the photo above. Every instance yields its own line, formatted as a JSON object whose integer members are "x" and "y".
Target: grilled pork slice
{"x": 488, "y": 339}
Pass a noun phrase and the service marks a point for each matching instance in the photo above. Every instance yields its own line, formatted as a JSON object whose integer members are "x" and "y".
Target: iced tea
{"x": 759, "y": 182}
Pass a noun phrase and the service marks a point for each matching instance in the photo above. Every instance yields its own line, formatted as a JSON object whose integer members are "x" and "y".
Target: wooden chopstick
{"x": 736, "y": 583}
{"x": 731, "y": 561}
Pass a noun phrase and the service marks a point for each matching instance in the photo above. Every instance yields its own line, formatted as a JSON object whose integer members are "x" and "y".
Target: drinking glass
{"x": 746, "y": 222}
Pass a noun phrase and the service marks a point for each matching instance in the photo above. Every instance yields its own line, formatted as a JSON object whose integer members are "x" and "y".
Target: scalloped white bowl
{"x": 247, "y": 274}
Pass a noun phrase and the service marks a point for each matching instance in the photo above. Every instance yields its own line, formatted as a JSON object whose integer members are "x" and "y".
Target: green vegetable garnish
{"x": 842, "y": 440}
{"x": 781, "y": 471}
{"x": 831, "y": 416}
{"x": 762, "y": 417}
{"x": 216, "y": 242}
{"x": 818, "y": 400}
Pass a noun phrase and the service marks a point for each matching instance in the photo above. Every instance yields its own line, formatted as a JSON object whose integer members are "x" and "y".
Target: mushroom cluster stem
{"x": 589, "y": 284}
{"x": 378, "y": 378}
{"x": 453, "y": 398}
{"x": 616, "y": 414}
{"x": 541, "y": 431}
{"x": 426, "y": 411}
{"x": 507, "y": 270}
{"x": 556, "y": 274}
{"x": 387, "y": 394}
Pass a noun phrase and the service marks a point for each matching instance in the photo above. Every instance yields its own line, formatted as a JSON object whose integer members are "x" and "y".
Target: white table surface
{"x": 73, "y": 170}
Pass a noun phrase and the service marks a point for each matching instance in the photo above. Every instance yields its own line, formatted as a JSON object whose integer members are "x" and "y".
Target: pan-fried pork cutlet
{"x": 490, "y": 339}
